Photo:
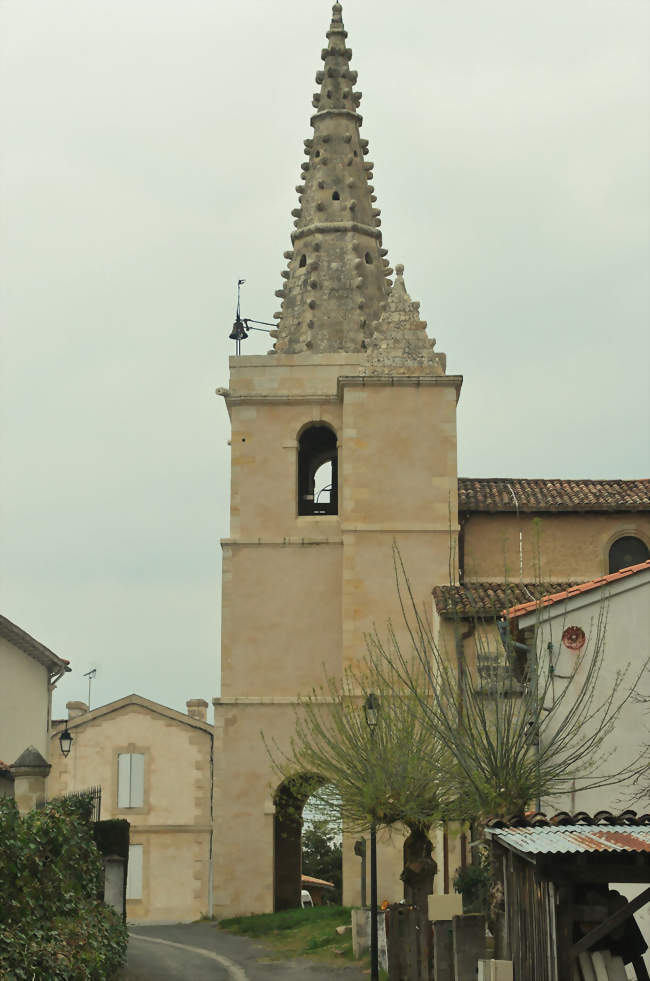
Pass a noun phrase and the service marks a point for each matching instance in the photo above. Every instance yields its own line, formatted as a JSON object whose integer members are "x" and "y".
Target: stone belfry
{"x": 343, "y": 441}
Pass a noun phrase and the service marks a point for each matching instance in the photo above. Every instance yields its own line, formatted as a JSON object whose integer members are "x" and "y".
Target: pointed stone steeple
{"x": 337, "y": 279}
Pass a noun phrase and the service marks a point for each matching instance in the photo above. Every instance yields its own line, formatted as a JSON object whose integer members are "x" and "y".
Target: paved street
{"x": 201, "y": 952}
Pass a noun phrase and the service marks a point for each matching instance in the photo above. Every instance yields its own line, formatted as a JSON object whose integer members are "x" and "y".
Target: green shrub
{"x": 112, "y": 837}
{"x": 473, "y": 883}
{"x": 51, "y": 923}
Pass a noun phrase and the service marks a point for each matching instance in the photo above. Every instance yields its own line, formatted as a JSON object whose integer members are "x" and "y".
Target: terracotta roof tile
{"x": 489, "y": 598}
{"x": 557, "y": 596}
{"x": 538, "y": 819}
{"x": 501, "y": 493}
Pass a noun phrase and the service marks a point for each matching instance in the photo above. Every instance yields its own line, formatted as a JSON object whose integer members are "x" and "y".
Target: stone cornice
{"x": 330, "y": 113}
{"x": 400, "y": 381}
{"x": 271, "y": 700}
{"x": 281, "y": 542}
{"x": 275, "y": 399}
{"x": 326, "y": 227}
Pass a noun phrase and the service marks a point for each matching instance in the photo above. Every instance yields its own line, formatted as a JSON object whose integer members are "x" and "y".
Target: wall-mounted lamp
{"x": 65, "y": 742}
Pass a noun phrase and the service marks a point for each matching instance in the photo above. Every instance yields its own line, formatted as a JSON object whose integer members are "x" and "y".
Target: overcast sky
{"x": 150, "y": 154}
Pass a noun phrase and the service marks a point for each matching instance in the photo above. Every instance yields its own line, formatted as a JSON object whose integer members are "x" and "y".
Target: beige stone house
{"x": 29, "y": 672}
{"x": 343, "y": 442}
{"x": 154, "y": 767}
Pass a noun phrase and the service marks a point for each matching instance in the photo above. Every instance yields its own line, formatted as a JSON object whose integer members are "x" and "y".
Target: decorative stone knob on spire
{"x": 337, "y": 277}
{"x": 399, "y": 344}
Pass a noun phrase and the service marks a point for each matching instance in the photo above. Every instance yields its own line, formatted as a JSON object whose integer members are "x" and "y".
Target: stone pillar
{"x": 469, "y": 945}
{"x": 114, "y": 884}
{"x": 30, "y": 771}
{"x": 197, "y": 708}
{"x": 443, "y": 951}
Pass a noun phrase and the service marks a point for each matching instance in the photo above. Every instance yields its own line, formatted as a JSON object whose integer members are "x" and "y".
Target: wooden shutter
{"x": 124, "y": 780}
{"x": 137, "y": 780}
{"x": 134, "y": 874}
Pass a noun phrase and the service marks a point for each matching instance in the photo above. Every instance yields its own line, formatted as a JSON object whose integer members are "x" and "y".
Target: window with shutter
{"x": 130, "y": 780}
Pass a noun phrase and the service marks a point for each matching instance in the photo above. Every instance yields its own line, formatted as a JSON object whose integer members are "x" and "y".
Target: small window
{"x": 134, "y": 872}
{"x": 627, "y": 551}
{"x": 336, "y": 196}
{"x": 317, "y": 471}
{"x": 130, "y": 780}
{"x": 303, "y": 261}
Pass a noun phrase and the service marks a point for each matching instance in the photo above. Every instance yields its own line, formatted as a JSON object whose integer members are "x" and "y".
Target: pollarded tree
{"x": 394, "y": 773}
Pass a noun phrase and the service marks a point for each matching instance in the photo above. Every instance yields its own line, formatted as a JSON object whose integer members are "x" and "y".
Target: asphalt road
{"x": 202, "y": 952}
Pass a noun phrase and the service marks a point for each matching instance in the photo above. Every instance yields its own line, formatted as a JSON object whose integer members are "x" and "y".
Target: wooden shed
{"x": 560, "y": 898}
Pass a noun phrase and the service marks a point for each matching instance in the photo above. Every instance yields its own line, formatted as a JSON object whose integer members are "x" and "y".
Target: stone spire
{"x": 400, "y": 344}
{"x": 337, "y": 281}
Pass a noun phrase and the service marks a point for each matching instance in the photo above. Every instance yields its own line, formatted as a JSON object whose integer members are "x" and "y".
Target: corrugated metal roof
{"x": 573, "y": 838}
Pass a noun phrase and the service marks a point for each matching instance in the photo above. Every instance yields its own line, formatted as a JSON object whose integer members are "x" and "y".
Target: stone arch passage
{"x": 290, "y": 798}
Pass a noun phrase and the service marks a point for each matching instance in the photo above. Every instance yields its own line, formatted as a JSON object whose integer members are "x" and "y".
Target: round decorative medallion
{"x": 574, "y": 638}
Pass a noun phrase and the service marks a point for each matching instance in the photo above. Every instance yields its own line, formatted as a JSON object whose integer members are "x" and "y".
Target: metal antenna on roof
{"x": 90, "y": 675}
{"x": 521, "y": 545}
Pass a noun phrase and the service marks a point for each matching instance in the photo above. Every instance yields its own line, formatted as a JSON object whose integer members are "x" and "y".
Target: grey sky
{"x": 150, "y": 153}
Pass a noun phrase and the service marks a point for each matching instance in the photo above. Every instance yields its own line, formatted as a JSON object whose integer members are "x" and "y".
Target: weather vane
{"x": 242, "y": 326}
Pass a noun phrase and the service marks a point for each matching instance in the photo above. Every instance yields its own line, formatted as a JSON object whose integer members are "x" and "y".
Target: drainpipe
{"x": 460, "y": 653}
{"x": 462, "y": 521}
{"x": 210, "y": 861}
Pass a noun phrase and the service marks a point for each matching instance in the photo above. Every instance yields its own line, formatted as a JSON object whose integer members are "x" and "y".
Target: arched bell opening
{"x": 317, "y": 471}
{"x": 290, "y": 799}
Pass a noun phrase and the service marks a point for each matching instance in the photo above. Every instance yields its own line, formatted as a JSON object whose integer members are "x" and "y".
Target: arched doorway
{"x": 290, "y": 799}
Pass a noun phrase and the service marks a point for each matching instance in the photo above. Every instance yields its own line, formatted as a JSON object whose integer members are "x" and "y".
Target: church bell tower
{"x": 343, "y": 441}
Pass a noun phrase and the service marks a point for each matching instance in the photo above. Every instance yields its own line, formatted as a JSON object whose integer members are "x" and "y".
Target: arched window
{"x": 627, "y": 551}
{"x": 317, "y": 471}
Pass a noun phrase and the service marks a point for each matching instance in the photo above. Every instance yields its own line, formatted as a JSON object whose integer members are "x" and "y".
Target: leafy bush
{"x": 52, "y": 923}
{"x": 112, "y": 837}
{"x": 473, "y": 883}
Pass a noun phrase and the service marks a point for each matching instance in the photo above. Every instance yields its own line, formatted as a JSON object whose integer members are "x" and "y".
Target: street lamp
{"x": 65, "y": 742}
{"x": 371, "y": 708}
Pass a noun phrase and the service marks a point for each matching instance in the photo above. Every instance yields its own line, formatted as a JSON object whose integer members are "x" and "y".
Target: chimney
{"x": 197, "y": 708}
{"x": 75, "y": 709}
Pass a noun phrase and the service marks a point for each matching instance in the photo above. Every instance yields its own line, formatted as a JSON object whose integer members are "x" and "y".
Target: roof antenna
{"x": 242, "y": 325}
{"x": 90, "y": 675}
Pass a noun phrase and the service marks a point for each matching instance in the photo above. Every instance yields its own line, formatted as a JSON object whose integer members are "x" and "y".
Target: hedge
{"x": 51, "y": 923}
